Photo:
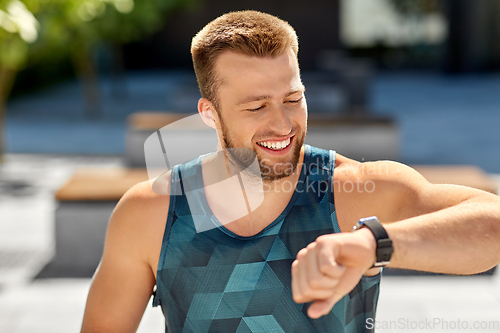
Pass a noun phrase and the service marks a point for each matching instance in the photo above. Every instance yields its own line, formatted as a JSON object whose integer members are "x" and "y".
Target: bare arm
{"x": 438, "y": 228}
{"x": 463, "y": 238}
{"x": 124, "y": 281}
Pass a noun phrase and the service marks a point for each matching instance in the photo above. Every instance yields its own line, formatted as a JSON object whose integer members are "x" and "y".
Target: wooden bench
{"x": 84, "y": 204}
{"x": 87, "y": 199}
{"x": 99, "y": 184}
{"x": 153, "y": 120}
{"x": 466, "y": 175}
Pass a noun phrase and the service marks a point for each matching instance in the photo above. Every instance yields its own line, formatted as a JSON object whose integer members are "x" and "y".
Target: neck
{"x": 243, "y": 204}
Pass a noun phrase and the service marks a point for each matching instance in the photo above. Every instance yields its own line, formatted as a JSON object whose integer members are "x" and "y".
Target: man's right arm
{"x": 124, "y": 281}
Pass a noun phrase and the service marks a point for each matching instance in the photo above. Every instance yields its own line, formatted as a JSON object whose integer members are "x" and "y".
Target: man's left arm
{"x": 437, "y": 228}
{"x": 458, "y": 233}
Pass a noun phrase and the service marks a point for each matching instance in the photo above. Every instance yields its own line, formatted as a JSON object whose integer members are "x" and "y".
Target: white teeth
{"x": 275, "y": 145}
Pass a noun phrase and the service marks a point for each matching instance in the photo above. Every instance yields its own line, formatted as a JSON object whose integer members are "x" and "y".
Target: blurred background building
{"x": 106, "y": 59}
{"x": 417, "y": 81}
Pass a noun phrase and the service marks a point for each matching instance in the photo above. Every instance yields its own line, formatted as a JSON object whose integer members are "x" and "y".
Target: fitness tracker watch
{"x": 384, "y": 243}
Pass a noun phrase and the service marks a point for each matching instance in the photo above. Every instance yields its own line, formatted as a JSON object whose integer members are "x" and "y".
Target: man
{"x": 219, "y": 271}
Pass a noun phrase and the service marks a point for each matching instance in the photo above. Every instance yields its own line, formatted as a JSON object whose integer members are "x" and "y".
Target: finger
{"x": 300, "y": 288}
{"x": 327, "y": 264}
{"x": 348, "y": 281}
{"x": 312, "y": 285}
{"x": 306, "y": 292}
{"x": 302, "y": 283}
{"x": 316, "y": 279}
{"x": 325, "y": 298}
{"x": 297, "y": 296}
{"x": 323, "y": 307}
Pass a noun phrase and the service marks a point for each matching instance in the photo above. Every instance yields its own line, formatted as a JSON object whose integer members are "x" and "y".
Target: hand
{"x": 330, "y": 267}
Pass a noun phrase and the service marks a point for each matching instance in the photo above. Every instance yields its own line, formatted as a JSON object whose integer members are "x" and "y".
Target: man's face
{"x": 262, "y": 108}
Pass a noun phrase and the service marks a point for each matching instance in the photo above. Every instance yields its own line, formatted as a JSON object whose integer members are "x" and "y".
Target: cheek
{"x": 241, "y": 131}
{"x": 301, "y": 115}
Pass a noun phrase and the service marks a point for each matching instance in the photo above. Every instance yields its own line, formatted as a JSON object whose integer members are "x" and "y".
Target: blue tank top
{"x": 217, "y": 281}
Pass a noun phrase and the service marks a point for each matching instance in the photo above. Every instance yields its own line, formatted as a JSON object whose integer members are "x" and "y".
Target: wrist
{"x": 371, "y": 245}
{"x": 383, "y": 243}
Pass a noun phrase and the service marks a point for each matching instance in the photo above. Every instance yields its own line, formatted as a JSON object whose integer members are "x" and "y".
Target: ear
{"x": 208, "y": 113}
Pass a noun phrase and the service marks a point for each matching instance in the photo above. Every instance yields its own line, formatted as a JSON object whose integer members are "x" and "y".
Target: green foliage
{"x": 13, "y": 52}
{"x": 145, "y": 18}
{"x": 18, "y": 28}
{"x": 56, "y": 28}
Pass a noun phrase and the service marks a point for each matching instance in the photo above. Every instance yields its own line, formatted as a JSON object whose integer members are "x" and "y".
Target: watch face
{"x": 358, "y": 225}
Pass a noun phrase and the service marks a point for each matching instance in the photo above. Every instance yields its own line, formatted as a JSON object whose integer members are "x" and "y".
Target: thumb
{"x": 324, "y": 306}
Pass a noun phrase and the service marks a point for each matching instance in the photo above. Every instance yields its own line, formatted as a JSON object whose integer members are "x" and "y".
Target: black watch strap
{"x": 384, "y": 243}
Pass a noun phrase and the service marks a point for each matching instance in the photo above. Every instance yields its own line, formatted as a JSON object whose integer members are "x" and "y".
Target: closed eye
{"x": 256, "y": 109}
{"x": 295, "y": 101}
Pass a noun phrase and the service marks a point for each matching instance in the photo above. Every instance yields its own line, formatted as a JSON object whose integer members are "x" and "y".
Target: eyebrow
{"x": 250, "y": 99}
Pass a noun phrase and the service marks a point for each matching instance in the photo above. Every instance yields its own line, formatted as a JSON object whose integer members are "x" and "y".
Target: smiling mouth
{"x": 275, "y": 145}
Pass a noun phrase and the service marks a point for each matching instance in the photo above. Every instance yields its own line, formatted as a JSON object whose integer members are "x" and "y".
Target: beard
{"x": 241, "y": 158}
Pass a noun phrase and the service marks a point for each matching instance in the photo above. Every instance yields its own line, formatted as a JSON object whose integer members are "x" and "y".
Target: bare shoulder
{"x": 377, "y": 188}
{"x": 393, "y": 172}
{"x": 129, "y": 262}
{"x": 142, "y": 199}
{"x": 139, "y": 220}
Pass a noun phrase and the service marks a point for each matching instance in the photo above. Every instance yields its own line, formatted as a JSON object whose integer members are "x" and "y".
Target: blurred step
{"x": 18, "y": 267}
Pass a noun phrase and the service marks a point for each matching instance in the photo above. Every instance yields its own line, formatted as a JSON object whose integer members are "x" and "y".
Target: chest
{"x": 210, "y": 276}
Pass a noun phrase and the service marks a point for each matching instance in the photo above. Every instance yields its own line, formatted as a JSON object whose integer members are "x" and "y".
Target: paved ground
{"x": 442, "y": 121}
{"x": 423, "y": 304}
{"x": 27, "y": 184}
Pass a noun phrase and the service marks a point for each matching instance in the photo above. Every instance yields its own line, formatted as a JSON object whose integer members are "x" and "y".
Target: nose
{"x": 280, "y": 122}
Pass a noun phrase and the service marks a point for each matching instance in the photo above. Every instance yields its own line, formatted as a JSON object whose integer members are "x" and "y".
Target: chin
{"x": 288, "y": 164}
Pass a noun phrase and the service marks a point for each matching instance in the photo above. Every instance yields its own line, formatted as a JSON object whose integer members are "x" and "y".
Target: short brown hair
{"x": 248, "y": 32}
